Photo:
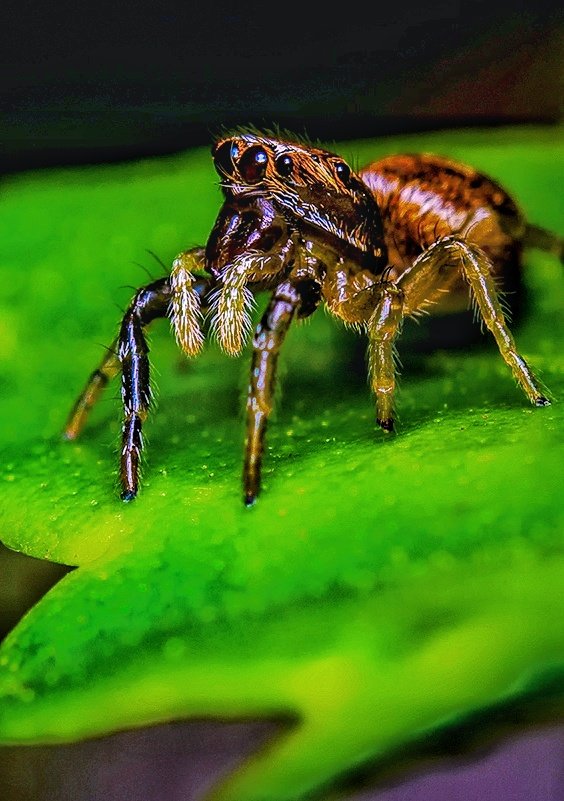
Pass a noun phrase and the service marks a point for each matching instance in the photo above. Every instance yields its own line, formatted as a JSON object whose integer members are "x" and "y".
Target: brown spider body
{"x": 406, "y": 234}
{"x": 424, "y": 198}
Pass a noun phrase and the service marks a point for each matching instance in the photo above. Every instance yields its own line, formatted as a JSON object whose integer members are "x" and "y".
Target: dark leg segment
{"x": 149, "y": 303}
{"x": 130, "y": 354}
{"x": 267, "y": 342}
{"x": 136, "y": 396}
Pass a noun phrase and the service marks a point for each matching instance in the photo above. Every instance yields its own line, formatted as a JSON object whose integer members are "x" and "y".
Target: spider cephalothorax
{"x": 404, "y": 234}
{"x": 310, "y": 186}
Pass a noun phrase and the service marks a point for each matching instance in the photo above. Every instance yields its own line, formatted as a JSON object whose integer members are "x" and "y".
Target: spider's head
{"x": 315, "y": 189}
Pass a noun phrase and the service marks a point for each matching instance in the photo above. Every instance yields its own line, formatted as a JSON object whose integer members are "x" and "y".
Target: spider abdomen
{"x": 424, "y": 197}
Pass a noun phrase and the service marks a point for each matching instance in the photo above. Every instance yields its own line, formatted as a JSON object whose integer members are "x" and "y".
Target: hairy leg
{"x": 183, "y": 299}
{"x": 232, "y": 300}
{"x": 383, "y": 327}
{"x": 129, "y": 353}
{"x": 187, "y": 292}
{"x": 156, "y": 297}
{"x": 149, "y": 303}
{"x": 476, "y": 268}
{"x": 287, "y": 300}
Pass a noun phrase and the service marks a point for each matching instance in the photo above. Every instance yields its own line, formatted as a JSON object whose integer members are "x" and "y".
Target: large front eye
{"x": 343, "y": 171}
{"x": 224, "y": 157}
{"x": 252, "y": 164}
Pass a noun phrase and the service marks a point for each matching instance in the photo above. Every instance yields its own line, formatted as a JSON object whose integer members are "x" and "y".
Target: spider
{"x": 403, "y": 235}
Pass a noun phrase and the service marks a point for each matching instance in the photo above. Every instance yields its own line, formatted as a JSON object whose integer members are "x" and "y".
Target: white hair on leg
{"x": 232, "y": 302}
{"x": 185, "y": 308}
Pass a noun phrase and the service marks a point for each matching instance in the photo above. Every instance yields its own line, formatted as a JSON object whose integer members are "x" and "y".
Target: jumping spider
{"x": 404, "y": 234}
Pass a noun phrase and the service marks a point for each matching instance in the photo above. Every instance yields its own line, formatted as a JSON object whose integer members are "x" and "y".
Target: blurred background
{"x": 99, "y": 82}
{"x": 90, "y": 82}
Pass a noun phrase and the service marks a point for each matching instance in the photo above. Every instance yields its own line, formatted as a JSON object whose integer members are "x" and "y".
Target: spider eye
{"x": 252, "y": 164}
{"x": 225, "y": 156}
{"x": 284, "y": 165}
{"x": 343, "y": 171}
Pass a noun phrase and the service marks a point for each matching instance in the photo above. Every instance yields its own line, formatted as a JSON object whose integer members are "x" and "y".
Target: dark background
{"x": 105, "y": 81}
{"x": 82, "y": 82}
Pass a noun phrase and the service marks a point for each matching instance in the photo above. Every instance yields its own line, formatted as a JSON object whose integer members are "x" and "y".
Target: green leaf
{"x": 382, "y": 588}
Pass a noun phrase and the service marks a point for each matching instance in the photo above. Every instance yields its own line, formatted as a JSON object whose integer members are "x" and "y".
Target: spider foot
{"x": 250, "y": 498}
{"x": 540, "y": 400}
{"x": 386, "y": 424}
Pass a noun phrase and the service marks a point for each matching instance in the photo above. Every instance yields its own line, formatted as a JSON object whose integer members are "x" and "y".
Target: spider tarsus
{"x": 387, "y": 424}
{"x": 128, "y": 495}
{"x": 249, "y": 499}
{"x": 540, "y": 400}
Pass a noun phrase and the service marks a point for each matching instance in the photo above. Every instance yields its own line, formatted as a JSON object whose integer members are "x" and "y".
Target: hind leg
{"x": 432, "y": 272}
{"x": 108, "y": 368}
{"x": 476, "y": 267}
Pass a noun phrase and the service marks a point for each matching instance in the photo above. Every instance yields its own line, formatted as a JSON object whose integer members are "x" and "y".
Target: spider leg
{"x": 108, "y": 368}
{"x": 184, "y": 295}
{"x": 187, "y": 292}
{"x": 148, "y": 303}
{"x": 179, "y": 296}
{"x": 288, "y": 299}
{"x": 476, "y": 267}
{"x": 383, "y": 327}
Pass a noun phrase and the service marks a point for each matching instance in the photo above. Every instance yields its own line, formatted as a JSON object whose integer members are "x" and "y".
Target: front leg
{"x": 133, "y": 352}
{"x": 181, "y": 297}
{"x": 150, "y": 302}
{"x": 288, "y": 298}
{"x": 187, "y": 292}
